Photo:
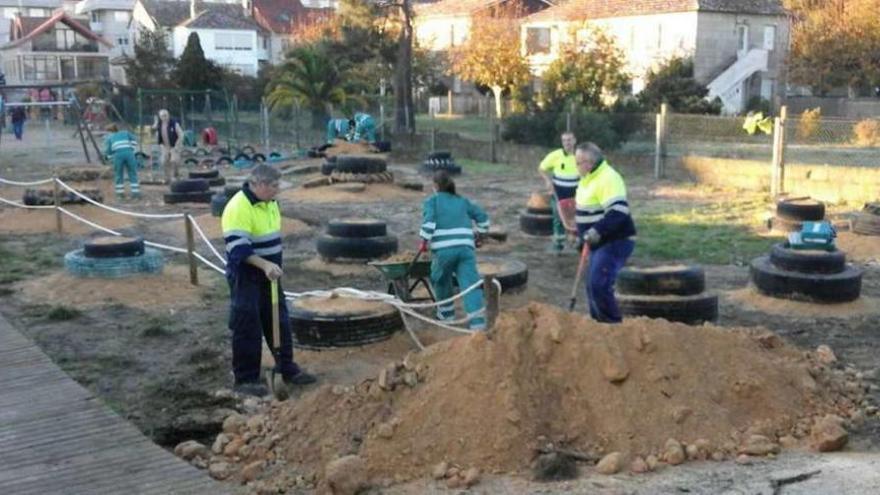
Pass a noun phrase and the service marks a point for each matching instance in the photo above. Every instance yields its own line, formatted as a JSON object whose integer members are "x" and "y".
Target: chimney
{"x": 192, "y": 9}
{"x": 247, "y": 7}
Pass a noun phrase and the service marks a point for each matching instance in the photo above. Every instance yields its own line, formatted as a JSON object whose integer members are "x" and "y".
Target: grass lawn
{"x": 468, "y": 126}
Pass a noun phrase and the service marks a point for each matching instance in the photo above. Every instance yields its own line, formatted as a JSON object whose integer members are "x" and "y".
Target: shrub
{"x": 867, "y": 132}
{"x": 543, "y": 128}
{"x": 592, "y": 126}
{"x": 808, "y": 124}
{"x": 758, "y": 104}
{"x": 537, "y": 128}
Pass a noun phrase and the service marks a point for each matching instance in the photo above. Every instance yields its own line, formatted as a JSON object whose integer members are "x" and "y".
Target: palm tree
{"x": 309, "y": 78}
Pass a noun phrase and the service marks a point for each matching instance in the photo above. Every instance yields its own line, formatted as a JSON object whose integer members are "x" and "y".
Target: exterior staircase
{"x": 729, "y": 85}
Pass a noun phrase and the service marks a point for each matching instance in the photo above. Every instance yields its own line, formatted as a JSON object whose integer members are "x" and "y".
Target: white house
{"x": 739, "y": 47}
{"x": 9, "y": 9}
{"x": 228, "y": 33}
{"x": 284, "y": 19}
{"x": 111, "y": 19}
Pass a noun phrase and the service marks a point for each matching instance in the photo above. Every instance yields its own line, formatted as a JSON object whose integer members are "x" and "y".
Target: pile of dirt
{"x": 650, "y": 390}
{"x": 22, "y": 221}
{"x": 343, "y": 147}
{"x": 859, "y": 248}
{"x": 169, "y": 290}
{"x": 754, "y": 300}
{"x": 539, "y": 200}
{"x": 371, "y": 194}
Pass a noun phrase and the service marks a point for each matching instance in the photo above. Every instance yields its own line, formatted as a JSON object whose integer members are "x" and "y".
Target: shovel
{"x": 276, "y": 380}
{"x": 585, "y": 255}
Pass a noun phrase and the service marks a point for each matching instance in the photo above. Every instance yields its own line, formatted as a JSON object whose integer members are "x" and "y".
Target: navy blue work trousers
{"x": 605, "y": 263}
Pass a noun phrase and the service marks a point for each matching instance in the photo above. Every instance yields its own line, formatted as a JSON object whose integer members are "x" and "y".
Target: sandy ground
{"x": 859, "y": 248}
{"x": 863, "y": 306}
{"x": 372, "y": 194}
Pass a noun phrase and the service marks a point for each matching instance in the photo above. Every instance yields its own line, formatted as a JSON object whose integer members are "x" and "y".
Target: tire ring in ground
{"x": 243, "y": 157}
{"x": 113, "y": 247}
{"x": 440, "y": 154}
{"x": 191, "y": 161}
{"x": 659, "y": 281}
{"x": 327, "y": 168}
{"x": 357, "y": 227}
{"x": 692, "y": 310}
{"x": 316, "y": 332}
{"x": 189, "y": 186}
{"x": 360, "y": 164}
{"x": 201, "y": 152}
{"x": 513, "y": 275}
{"x": 536, "y": 224}
{"x": 258, "y": 157}
{"x": 363, "y": 248}
{"x": 449, "y": 168}
{"x": 225, "y": 159}
{"x": 815, "y": 287}
{"x": 248, "y": 149}
{"x": 77, "y": 264}
{"x": 801, "y": 209}
{"x": 867, "y": 224}
{"x": 204, "y": 174}
{"x": 794, "y": 260}
{"x": 539, "y": 211}
{"x": 218, "y": 203}
{"x": 217, "y": 182}
{"x": 190, "y": 197}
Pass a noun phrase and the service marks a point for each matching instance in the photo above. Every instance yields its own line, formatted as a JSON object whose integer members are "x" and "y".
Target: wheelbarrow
{"x": 404, "y": 276}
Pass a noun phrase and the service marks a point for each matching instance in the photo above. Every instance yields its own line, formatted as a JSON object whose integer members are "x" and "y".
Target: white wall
{"x": 442, "y": 32}
{"x": 243, "y": 60}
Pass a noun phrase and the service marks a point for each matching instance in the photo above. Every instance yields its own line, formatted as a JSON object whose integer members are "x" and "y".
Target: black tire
{"x": 540, "y": 211}
{"x": 218, "y": 203}
{"x": 360, "y": 164}
{"x": 275, "y": 154}
{"x": 811, "y": 261}
{"x": 207, "y": 163}
{"x": 30, "y": 198}
{"x": 327, "y": 168}
{"x": 657, "y": 281}
{"x": 786, "y": 225}
{"x": 383, "y": 146}
{"x": 230, "y": 191}
{"x": 440, "y": 154}
{"x": 76, "y": 263}
{"x": 316, "y": 331}
{"x": 242, "y": 156}
{"x": 223, "y": 151}
{"x": 449, "y": 167}
{"x": 536, "y": 224}
{"x": 513, "y": 274}
{"x": 816, "y": 287}
{"x": 248, "y": 149}
{"x": 189, "y": 197}
{"x": 201, "y": 152}
{"x": 330, "y": 159}
{"x": 191, "y": 162}
{"x": 189, "y": 186}
{"x": 801, "y": 209}
{"x": 412, "y": 185}
{"x": 225, "y": 159}
{"x": 217, "y": 182}
{"x": 358, "y": 248}
{"x": 113, "y": 247}
{"x": 141, "y": 155}
{"x": 497, "y": 234}
{"x": 692, "y": 310}
{"x": 258, "y": 157}
{"x": 868, "y": 220}
{"x": 357, "y": 227}
{"x": 204, "y": 174}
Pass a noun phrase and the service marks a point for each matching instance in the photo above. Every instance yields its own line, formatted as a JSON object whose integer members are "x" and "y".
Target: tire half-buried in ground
{"x": 692, "y": 310}
{"x": 190, "y": 197}
{"x": 321, "y": 323}
{"x": 678, "y": 280}
{"x": 801, "y": 209}
{"x": 79, "y": 265}
{"x": 356, "y": 248}
{"x": 816, "y": 287}
{"x": 807, "y": 261}
{"x": 113, "y": 247}
{"x": 360, "y": 164}
{"x": 511, "y": 274}
{"x": 189, "y": 185}
{"x": 536, "y": 224}
{"x": 204, "y": 174}
{"x": 357, "y": 227}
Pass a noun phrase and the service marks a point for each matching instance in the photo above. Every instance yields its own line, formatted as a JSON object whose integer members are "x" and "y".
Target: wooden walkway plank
{"x": 57, "y": 437}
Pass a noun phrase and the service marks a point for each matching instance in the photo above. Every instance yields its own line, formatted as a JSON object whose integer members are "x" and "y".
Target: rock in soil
{"x": 234, "y": 423}
{"x": 610, "y": 464}
{"x": 191, "y": 449}
{"x": 828, "y": 434}
{"x": 220, "y": 470}
{"x": 471, "y": 477}
{"x": 346, "y": 475}
{"x": 220, "y": 443}
{"x": 439, "y": 471}
{"x": 825, "y": 355}
{"x": 759, "y": 445}
{"x": 638, "y": 466}
{"x": 251, "y": 471}
{"x": 673, "y": 453}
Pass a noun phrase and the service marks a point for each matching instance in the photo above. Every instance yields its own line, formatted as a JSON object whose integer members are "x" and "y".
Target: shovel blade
{"x": 276, "y": 385}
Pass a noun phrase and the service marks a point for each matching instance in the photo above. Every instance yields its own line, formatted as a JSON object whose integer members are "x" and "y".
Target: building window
{"x": 62, "y": 39}
{"x": 452, "y": 35}
{"x": 121, "y": 16}
{"x": 39, "y": 67}
{"x": 766, "y": 89}
{"x": 659, "y": 36}
{"x": 122, "y": 41}
{"x": 742, "y": 36}
{"x": 9, "y": 12}
{"x": 769, "y": 37}
{"x": 96, "y": 17}
{"x": 537, "y": 41}
{"x": 265, "y": 43}
{"x": 233, "y": 41}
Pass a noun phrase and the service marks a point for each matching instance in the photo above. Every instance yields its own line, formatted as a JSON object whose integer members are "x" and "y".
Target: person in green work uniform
{"x": 339, "y": 129}
{"x": 120, "y": 147}
{"x": 252, "y": 231}
{"x": 604, "y": 222}
{"x": 561, "y": 178}
{"x": 364, "y": 128}
{"x": 447, "y": 228}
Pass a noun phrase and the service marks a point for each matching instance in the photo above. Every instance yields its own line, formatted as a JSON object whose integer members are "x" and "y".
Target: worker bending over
{"x": 364, "y": 128}
{"x": 447, "y": 227}
{"x": 120, "y": 147}
{"x": 605, "y": 224}
{"x": 339, "y": 129}
{"x": 561, "y": 178}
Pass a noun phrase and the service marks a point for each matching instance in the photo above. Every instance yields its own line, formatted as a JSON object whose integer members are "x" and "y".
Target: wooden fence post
{"x": 660, "y": 143}
{"x": 190, "y": 250}
{"x": 777, "y": 171}
{"x": 57, "y": 197}
{"x": 492, "y": 295}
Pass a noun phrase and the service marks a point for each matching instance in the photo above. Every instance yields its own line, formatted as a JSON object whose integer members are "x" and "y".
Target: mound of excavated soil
{"x": 859, "y": 248}
{"x": 548, "y": 376}
{"x": 342, "y": 147}
{"x": 752, "y": 299}
{"x": 373, "y": 193}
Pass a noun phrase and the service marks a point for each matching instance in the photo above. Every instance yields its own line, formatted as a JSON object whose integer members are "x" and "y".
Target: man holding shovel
{"x": 605, "y": 225}
{"x": 561, "y": 177}
{"x": 252, "y": 231}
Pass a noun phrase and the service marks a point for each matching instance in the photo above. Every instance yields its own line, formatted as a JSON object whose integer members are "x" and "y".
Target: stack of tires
{"x": 440, "y": 160}
{"x": 868, "y": 220}
{"x": 537, "y": 219}
{"x": 35, "y": 197}
{"x": 189, "y": 191}
{"x": 113, "y": 257}
{"x": 808, "y": 275}
{"x": 315, "y": 327}
{"x": 675, "y": 293}
{"x": 356, "y": 240}
{"x": 219, "y": 200}
{"x": 792, "y": 212}
{"x": 211, "y": 175}
{"x": 356, "y": 168}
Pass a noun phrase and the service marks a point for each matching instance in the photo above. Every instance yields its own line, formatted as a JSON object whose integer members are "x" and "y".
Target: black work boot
{"x": 255, "y": 389}
{"x": 301, "y": 378}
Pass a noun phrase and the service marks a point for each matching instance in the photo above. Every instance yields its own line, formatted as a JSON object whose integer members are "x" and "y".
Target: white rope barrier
{"x": 117, "y": 210}
{"x": 207, "y": 241}
{"x": 166, "y": 247}
{"x": 25, "y": 184}
{"x": 210, "y": 265}
{"x": 27, "y": 207}
{"x": 87, "y": 222}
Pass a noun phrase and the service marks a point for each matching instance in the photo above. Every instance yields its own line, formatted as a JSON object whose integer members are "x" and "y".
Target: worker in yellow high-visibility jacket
{"x": 561, "y": 177}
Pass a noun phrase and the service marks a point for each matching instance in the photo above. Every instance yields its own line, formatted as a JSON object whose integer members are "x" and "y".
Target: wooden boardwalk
{"x": 56, "y": 437}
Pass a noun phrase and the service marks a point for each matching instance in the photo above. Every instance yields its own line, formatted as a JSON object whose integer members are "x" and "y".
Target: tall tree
{"x": 193, "y": 70}
{"x": 491, "y": 55}
{"x": 309, "y": 78}
{"x": 152, "y": 63}
{"x": 586, "y": 72}
{"x": 404, "y": 111}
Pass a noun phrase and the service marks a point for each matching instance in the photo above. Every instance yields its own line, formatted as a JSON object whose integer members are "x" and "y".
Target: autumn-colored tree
{"x": 587, "y": 71}
{"x": 835, "y": 43}
{"x": 491, "y": 55}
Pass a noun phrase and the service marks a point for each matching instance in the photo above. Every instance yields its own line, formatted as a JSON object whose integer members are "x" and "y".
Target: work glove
{"x": 479, "y": 238}
{"x": 592, "y": 237}
{"x": 423, "y": 246}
